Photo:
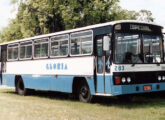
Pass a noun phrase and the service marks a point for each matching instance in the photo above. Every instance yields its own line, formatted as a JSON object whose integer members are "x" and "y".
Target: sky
{"x": 6, "y": 12}
{"x": 155, "y": 6}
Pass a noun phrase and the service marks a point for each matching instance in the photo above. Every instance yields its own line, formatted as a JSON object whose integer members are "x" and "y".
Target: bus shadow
{"x": 44, "y": 94}
{"x": 129, "y": 101}
{"x": 133, "y": 101}
{"x": 50, "y": 95}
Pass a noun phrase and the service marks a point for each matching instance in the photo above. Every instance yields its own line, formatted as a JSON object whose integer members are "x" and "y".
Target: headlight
{"x": 163, "y": 77}
{"x": 123, "y": 80}
{"x": 128, "y": 79}
{"x": 159, "y": 78}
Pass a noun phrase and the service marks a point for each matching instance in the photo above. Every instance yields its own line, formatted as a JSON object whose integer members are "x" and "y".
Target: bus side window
{"x": 75, "y": 46}
{"x": 54, "y": 48}
{"x": 81, "y": 43}
{"x": 44, "y": 50}
{"x": 100, "y": 55}
{"x": 63, "y": 47}
{"x": 26, "y": 50}
{"x": 59, "y": 45}
{"x": 100, "y": 48}
{"x": 86, "y": 45}
{"x": 41, "y": 48}
{"x": 13, "y": 52}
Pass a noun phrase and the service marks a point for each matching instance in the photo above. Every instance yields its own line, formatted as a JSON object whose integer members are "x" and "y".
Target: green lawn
{"x": 44, "y": 106}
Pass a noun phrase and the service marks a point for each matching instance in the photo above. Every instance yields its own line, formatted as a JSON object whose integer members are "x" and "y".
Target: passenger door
{"x": 102, "y": 59}
{"x": 3, "y": 57}
{"x": 0, "y": 67}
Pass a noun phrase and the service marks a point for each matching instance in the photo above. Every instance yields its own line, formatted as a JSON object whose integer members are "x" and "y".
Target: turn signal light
{"x": 89, "y": 76}
{"x": 117, "y": 80}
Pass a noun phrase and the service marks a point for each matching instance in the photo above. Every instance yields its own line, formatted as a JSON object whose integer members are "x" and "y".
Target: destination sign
{"x": 140, "y": 27}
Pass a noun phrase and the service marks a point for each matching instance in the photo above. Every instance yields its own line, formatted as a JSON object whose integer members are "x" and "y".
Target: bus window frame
{"x": 25, "y": 45}
{"x": 70, "y": 44}
{"x": 161, "y": 42}
{"x": 8, "y": 46}
{"x": 141, "y": 47}
{"x": 50, "y": 51}
{"x": 33, "y": 49}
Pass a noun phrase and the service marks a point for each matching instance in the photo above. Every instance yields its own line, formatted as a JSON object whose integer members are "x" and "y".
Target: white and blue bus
{"x": 108, "y": 59}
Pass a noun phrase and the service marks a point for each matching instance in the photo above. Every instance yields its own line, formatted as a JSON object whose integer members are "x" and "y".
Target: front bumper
{"x": 137, "y": 88}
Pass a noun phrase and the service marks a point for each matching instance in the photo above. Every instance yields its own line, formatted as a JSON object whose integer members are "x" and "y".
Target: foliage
{"x": 37, "y": 17}
{"x": 145, "y": 15}
{"x": 12, "y": 32}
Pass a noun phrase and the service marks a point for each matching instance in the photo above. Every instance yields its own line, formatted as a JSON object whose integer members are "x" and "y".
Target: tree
{"x": 37, "y": 17}
{"x": 145, "y": 15}
{"x": 12, "y": 32}
{"x": 78, "y": 13}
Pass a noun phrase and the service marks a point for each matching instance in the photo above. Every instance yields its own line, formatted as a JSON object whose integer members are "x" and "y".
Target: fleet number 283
{"x": 119, "y": 68}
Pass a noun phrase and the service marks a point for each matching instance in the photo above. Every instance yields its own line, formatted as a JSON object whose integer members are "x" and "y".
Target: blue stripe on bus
{"x": 59, "y": 83}
{"x": 100, "y": 84}
{"x": 131, "y": 89}
{"x": 91, "y": 85}
{"x": 64, "y": 84}
{"x": 8, "y": 80}
{"x": 53, "y": 83}
{"x": 108, "y": 84}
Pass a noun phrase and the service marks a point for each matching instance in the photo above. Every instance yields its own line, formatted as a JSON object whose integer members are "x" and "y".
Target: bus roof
{"x": 80, "y": 29}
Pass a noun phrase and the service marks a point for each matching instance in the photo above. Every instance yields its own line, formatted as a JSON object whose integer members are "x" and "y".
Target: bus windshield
{"x": 138, "y": 48}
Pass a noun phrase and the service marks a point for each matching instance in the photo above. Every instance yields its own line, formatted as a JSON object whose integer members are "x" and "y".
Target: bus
{"x": 108, "y": 59}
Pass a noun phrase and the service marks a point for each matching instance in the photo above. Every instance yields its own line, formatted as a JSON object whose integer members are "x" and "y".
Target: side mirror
{"x": 106, "y": 43}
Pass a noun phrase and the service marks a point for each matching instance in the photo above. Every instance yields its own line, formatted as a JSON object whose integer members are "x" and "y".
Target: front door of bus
{"x": 0, "y": 67}
{"x": 3, "y": 52}
{"x": 102, "y": 68}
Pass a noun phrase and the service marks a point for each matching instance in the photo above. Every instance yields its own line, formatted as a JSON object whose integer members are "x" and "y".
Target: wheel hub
{"x": 84, "y": 92}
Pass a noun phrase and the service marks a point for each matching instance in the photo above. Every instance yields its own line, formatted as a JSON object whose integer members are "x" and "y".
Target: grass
{"x": 56, "y": 106}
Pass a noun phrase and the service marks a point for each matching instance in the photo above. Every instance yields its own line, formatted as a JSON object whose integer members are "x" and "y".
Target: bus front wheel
{"x": 20, "y": 88}
{"x": 84, "y": 93}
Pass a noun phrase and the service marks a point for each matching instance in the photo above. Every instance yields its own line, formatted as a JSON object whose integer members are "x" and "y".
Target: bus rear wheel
{"x": 20, "y": 88}
{"x": 84, "y": 93}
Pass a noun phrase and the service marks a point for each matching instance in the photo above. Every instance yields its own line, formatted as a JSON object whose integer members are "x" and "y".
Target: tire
{"x": 20, "y": 88}
{"x": 84, "y": 93}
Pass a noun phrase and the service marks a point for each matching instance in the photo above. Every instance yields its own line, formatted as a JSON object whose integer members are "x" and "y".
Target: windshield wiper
{"x": 157, "y": 62}
{"x": 137, "y": 59}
